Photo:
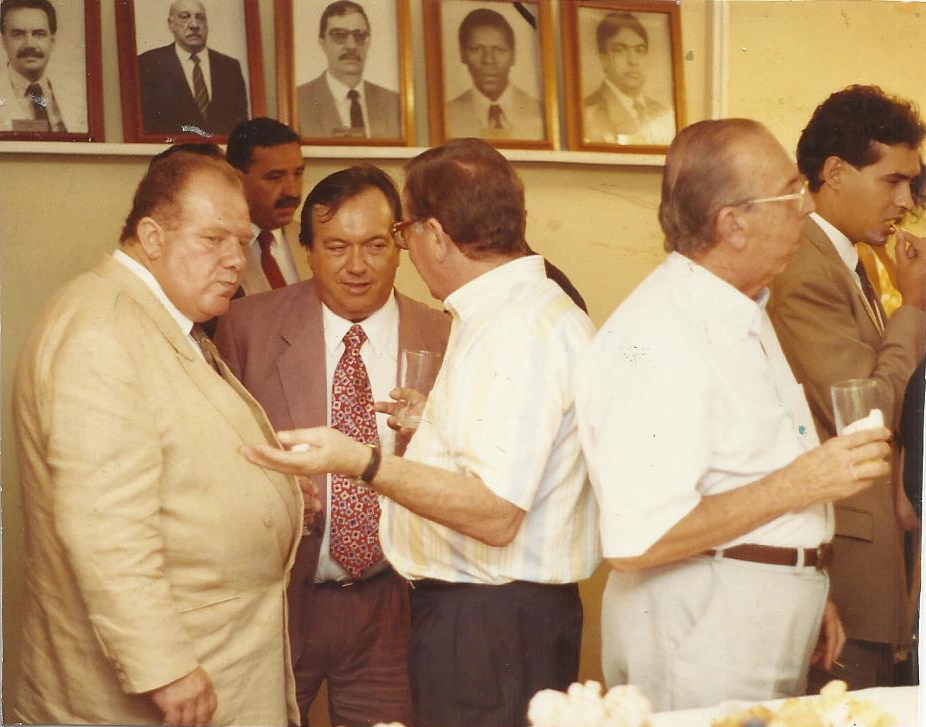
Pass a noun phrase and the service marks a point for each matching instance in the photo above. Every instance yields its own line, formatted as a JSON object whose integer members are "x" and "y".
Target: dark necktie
{"x": 354, "y": 506}
{"x": 356, "y": 113}
{"x": 199, "y": 87}
{"x": 268, "y": 262}
{"x": 495, "y": 116}
{"x": 870, "y": 295}
{"x": 39, "y": 103}
{"x": 210, "y": 353}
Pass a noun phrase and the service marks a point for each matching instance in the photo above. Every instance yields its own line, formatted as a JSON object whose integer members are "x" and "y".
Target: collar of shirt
{"x": 186, "y": 63}
{"x": 844, "y": 247}
{"x": 716, "y": 302}
{"x": 483, "y": 102}
{"x": 378, "y": 327}
{"x": 339, "y": 91}
{"x": 185, "y": 324}
{"x": 491, "y": 289}
{"x": 626, "y": 101}
{"x": 20, "y": 83}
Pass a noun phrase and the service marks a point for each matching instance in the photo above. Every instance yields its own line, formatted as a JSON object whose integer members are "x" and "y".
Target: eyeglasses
{"x": 398, "y": 232}
{"x": 340, "y": 36}
{"x": 800, "y": 196}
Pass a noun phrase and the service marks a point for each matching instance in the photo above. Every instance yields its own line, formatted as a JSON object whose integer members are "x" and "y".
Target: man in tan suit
{"x": 158, "y": 560}
{"x": 860, "y": 155}
{"x": 286, "y": 347}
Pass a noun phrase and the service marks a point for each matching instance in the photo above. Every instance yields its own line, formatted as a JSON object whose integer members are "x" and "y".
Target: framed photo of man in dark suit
{"x": 623, "y": 75}
{"x": 344, "y": 71}
{"x": 189, "y": 69}
{"x": 491, "y": 72}
{"x": 50, "y": 70}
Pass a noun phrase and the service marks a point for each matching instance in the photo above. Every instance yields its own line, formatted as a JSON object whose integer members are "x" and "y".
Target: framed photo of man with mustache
{"x": 189, "y": 70}
{"x": 491, "y": 72}
{"x": 344, "y": 71}
{"x": 623, "y": 71}
{"x": 50, "y": 71}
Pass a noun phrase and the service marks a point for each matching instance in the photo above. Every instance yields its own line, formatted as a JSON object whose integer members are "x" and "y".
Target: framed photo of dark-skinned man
{"x": 491, "y": 72}
{"x": 344, "y": 71}
{"x": 189, "y": 69}
{"x": 623, "y": 72}
{"x": 50, "y": 70}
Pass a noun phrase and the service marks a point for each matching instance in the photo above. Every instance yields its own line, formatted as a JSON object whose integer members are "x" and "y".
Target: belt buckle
{"x": 821, "y": 557}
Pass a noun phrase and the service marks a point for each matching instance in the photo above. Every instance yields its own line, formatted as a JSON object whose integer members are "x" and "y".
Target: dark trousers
{"x": 478, "y": 653}
{"x": 357, "y": 639}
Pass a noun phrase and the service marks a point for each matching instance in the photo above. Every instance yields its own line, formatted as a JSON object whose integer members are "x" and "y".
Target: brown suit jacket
{"x": 830, "y": 334}
{"x": 274, "y": 342}
{"x": 153, "y": 545}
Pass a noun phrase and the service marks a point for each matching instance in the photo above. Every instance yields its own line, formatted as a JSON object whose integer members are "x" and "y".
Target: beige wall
{"x": 59, "y": 213}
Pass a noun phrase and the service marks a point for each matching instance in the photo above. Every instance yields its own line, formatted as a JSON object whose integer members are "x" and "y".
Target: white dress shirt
{"x": 339, "y": 91}
{"x": 686, "y": 393}
{"x": 502, "y": 410}
{"x": 186, "y": 63}
{"x": 380, "y": 356}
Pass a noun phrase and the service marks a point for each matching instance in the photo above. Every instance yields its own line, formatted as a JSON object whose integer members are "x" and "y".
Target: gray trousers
{"x": 705, "y": 630}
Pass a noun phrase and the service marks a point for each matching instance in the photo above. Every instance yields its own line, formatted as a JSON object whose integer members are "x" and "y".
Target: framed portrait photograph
{"x": 491, "y": 72}
{"x": 188, "y": 69}
{"x": 344, "y": 71}
{"x": 623, "y": 70}
{"x": 50, "y": 71}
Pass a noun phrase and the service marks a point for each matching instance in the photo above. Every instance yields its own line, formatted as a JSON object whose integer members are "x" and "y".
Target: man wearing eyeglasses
{"x": 715, "y": 496}
{"x": 861, "y": 155}
{"x": 186, "y": 86}
{"x": 291, "y": 348}
{"x": 339, "y": 102}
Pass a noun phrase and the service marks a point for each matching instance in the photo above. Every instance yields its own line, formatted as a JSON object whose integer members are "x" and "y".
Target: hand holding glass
{"x": 417, "y": 370}
{"x": 856, "y": 405}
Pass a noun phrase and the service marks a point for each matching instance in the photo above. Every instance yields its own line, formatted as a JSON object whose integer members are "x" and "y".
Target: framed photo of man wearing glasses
{"x": 345, "y": 71}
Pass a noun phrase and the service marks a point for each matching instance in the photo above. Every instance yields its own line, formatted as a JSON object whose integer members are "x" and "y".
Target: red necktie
{"x": 267, "y": 261}
{"x": 354, "y": 507}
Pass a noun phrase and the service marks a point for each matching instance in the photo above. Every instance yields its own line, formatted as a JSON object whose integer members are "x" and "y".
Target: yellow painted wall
{"x": 59, "y": 213}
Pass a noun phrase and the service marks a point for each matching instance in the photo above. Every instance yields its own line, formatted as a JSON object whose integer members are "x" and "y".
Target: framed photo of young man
{"x": 344, "y": 71}
{"x": 491, "y": 72}
{"x": 623, "y": 72}
{"x": 50, "y": 71}
{"x": 189, "y": 69}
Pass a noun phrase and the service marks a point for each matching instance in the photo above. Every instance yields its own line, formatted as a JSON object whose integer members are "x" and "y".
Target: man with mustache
{"x": 619, "y": 112}
{"x": 493, "y": 108}
{"x": 186, "y": 88}
{"x": 29, "y": 103}
{"x": 860, "y": 153}
{"x": 269, "y": 161}
{"x": 339, "y": 102}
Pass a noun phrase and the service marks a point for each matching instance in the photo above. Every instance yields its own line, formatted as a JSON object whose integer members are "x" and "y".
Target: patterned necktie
{"x": 354, "y": 507}
{"x": 38, "y": 101}
{"x": 870, "y": 294}
{"x": 199, "y": 87}
{"x": 210, "y": 353}
{"x": 495, "y": 116}
{"x": 268, "y": 262}
{"x": 356, "y": 113}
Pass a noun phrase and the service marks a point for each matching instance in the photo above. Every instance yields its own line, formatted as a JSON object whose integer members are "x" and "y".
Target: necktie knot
{"x": 194, "y": 58}
{"x": 265, "y": 240}
{"x": 495, "y": 116}
{"x": 354, "y": 338}
{"x": 269, "y": 264}
{"x": 353, "y": 94}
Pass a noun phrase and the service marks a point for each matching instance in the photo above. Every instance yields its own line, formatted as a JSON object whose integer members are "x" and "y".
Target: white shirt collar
{"x": 844, "y": 247}
{"x": 186, "y": 325}
{"x": 489, "y": 289}
{"x": 20, "y": 83}
{"x": 626, "y": 101}
{"x": 483, "y": 102}
{"x": 378, "y": 326}
{"x": 340, "y": 90}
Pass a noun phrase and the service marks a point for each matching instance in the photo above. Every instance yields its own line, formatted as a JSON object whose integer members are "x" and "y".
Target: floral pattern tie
{"x": 354, "y": 506}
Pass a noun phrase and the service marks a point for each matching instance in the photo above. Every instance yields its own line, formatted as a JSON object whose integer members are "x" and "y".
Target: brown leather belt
{"x": 819, "y": 557}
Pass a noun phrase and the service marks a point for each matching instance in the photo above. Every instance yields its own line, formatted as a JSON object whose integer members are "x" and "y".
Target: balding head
{"x": 187, "y": 21}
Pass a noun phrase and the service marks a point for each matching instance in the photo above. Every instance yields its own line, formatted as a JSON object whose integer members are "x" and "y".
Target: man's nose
{"x": 292, "y": 186}
{"x": 356, "y": 260}
{"x": 905, "y": 197}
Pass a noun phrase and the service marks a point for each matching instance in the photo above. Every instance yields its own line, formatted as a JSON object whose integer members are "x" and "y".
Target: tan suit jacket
{"x": 152, "y": 545}
{"x": 829, "y": 334}
{"x": 274, "y": 342}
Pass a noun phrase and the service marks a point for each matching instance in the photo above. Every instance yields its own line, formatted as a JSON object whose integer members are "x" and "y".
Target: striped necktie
{"x": 199, "y": 87}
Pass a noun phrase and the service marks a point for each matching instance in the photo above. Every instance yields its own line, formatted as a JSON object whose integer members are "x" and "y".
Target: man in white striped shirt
{"x": 490, "y": 514}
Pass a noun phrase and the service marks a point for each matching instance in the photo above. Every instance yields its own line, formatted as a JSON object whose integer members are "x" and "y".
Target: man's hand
{"x": 911, "y": 268}
{"x": 189, "y": 700}
{"x": 404, "y": 397}
{"x": 310, "y": 452}
{"x": 832, "y": 639}
{"x": 838, "y": 468}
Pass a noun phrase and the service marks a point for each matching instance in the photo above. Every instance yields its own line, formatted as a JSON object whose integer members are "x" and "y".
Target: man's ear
{"x": 150, "y": 235}
{"x": 833, "y": 172}
{"x": 730, "y": 227}
{"x": 439, "y": 239}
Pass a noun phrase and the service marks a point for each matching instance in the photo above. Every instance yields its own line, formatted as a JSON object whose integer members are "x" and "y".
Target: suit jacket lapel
{"x": 819, "y": 239}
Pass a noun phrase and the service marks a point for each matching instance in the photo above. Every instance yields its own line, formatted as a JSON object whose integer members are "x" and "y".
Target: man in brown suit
{"x": 860, "y": 155}
{"x": 286, "y": 347}
{"x": 157, "y": 562}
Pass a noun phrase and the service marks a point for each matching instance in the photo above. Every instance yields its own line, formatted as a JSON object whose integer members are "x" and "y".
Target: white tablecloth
{"x": 901, "y": 702}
